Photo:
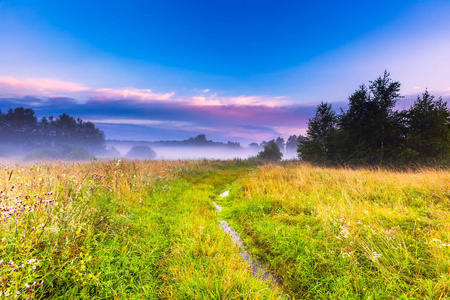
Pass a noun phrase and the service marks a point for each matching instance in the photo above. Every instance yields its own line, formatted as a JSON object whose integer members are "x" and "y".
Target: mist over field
{"x": 191, "y": 152}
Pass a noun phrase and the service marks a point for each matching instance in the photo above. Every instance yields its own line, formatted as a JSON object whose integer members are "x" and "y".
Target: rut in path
{"x": 257, "y": 267}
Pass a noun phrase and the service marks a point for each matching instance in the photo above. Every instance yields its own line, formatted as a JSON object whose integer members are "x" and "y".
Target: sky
{"x": 243, "y": 71}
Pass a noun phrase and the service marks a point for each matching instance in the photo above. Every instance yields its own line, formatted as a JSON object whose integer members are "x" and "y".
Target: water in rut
{"x": 257, "y": 267}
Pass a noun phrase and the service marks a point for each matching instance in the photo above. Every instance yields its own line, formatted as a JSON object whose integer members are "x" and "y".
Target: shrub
{"x": 271, "y": 152}
{"x": 43, "y": 154}
{"x": 141, "y": 152}
{"x": 77, "y": 153}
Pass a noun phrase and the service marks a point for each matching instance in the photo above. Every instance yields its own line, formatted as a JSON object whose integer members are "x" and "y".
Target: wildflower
{"x": 11, "y": 264}
{"x": 346, "y": 254}
{"x": 32, "y": 261}
{"x": 1, "y": 262}
{"x": 344, "y": 233}
{"x": 376, "y": 255}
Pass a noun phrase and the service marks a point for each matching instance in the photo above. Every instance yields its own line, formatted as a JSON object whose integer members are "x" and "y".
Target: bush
{"x": 271, "y": 152}
{"x": 77, "y": 153}
{"x": 141, "y": 152}
{"x": 66, "y": 153}
{"x": 43, "y": 154}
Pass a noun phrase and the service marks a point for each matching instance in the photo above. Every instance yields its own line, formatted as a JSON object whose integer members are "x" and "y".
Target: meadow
{"x": 149, "y": 230}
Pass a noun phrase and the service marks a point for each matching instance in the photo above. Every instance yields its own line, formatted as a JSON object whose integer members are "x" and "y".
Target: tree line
{"x": 20, "y": 127}
{"x": 371, "y": 131}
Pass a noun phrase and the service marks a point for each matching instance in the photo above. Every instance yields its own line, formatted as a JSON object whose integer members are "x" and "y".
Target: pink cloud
{"x": 214, "y": 100}
{"x": 130, "y": 93}
{"x": 48, "y": 88}
{"x": 38, "y": 86}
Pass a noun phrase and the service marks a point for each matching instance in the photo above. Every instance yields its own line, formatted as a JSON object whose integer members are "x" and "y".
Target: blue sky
{"x": 152, "y": 69}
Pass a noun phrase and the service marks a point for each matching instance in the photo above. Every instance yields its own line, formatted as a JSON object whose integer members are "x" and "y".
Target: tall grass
{"x": 118, "y": 230}
{"x": 348, "y": 234}
{"x": 148, "y": 230}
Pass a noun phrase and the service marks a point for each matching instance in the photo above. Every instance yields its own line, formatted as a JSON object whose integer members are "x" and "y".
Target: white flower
{"x": 376, "y": 255}
{"x": 344, "y": 233}
{"x": 346, "y": 254}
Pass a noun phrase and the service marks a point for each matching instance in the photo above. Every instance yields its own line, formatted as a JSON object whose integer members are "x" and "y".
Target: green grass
{"x": 347, "y": 234}
{"x": 148, "y": 230}
{"x": 121, "y": 230}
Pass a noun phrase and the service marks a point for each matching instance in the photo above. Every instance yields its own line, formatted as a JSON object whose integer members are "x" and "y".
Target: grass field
{"x": 149, "y": 230}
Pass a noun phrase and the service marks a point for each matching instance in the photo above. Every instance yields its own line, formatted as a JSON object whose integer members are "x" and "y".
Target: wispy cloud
{"x": 131, "y": 94}
{"x": 141, "y": 122}
{"x": 47, "y": 87}
{"x": 50, "y": 88}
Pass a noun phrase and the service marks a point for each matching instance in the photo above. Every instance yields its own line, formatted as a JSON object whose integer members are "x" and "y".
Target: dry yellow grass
{"x": 382, "y": 233}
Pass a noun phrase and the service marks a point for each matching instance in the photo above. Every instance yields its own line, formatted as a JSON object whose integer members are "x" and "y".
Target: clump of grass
{"x": 342, "y": 233}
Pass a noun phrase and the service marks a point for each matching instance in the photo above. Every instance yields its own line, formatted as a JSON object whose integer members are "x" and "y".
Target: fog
{"x": 121, "y": 150}
{"x": 189, "y": 152}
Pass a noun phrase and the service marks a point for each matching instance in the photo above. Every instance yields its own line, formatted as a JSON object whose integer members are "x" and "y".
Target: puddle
{"x": 258, "y": 269}
{"x": 218, "y": 207}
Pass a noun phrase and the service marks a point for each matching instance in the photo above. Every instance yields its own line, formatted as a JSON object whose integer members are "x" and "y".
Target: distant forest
{"x": 20, "y": 127}
{"x": 372, "y": 132}
{"x": 199, "y": 140}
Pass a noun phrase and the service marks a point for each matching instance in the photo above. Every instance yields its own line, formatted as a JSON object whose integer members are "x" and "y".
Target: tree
{"x": 355, "y": 140}
{"x": 371, "y": 131}
{"x": 318, "y": 145}
{"x": 385, "y": 93}
{"x": 20, "y": 127}
{"x": 199, "y": 140}
{"x": 280, "y": 142}
{"x": 292, "y": 143}
{"x": 271, "y": 151}
{"x": 428, "y": 129}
